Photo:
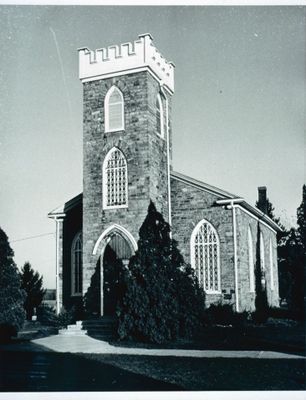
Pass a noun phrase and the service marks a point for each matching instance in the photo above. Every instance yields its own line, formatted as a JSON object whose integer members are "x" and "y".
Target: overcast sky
{"x": 238, "y": 112}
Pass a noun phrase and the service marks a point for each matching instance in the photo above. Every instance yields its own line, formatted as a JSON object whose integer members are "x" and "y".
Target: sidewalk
{"x": 86, "y": 344}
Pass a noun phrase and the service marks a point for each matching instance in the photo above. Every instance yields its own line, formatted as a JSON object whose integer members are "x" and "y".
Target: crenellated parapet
{"x": 124, "y": 59}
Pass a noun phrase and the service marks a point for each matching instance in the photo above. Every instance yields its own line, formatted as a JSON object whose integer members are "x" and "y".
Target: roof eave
{"x": 253, "y": 210}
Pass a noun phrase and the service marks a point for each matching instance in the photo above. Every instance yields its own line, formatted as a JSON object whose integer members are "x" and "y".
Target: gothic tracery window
{"x": 114, "y": 110}
{"x": 205, "y": 258}
{"x": 115, "y": 185}
{"x": 271, "y": 265}
{"x": 76, "y": 265}
{"x": 262, "y": 259}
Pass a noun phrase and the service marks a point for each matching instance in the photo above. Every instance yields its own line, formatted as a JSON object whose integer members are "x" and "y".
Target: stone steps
{"x": 73, "y": 330}
{"x": 103, "y": 328}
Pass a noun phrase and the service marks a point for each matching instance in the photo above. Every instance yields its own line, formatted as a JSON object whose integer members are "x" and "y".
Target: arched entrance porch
{"x": 114, "y": 249}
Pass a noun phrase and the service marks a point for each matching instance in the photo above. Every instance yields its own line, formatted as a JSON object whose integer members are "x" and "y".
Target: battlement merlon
{"x": 125, "y": 59}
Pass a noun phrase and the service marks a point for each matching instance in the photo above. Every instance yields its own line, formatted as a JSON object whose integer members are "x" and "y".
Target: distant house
{"x": 49, "y": 298}
{"x": 127, "y": 146}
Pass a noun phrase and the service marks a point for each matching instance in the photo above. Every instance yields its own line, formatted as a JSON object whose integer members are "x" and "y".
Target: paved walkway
{"x": 86, "y": 344}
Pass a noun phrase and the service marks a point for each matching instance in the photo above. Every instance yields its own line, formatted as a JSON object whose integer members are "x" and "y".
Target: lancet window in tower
{"x": 76, "y": 265}
{"x": 114, "y": 110}
{"x": 159, "y": 116}
{"x": 115, "y": 185}
{"x": 205, "y": 257}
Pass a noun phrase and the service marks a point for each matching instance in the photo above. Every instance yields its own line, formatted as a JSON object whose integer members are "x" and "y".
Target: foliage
{"x": 292, "y": 263}
{"x": 161, "y": 298}
{"x": 279, "y": 313}
{"x": 292, "y": 257}
{"x": 301, "y": 220}
{"x": 46, "y": 315}
{"x": 66, "y": 317}
{"x": 12, "y": 313}
{"x": 223, "y": 314}
{"x": 261, "y": 302}
{"x": 92, "y": 297}
{"x": 32, "y": 283}
{"x": 271, "y": 214}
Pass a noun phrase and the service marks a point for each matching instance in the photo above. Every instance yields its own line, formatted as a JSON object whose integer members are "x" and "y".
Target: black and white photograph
{"x": 153, "y": 199}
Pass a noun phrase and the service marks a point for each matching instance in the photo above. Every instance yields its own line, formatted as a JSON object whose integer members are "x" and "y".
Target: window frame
{"x": 105, "y": 181}
{"x": 262, "y": 260}
{"x": 251, "y": 261}
{"x": 161, "y": 130}
{"x": 107, "y": 98}
{"x": 271, "y": 259}
{"x": 77, "y": 237}
{"x": 192, "y": 252}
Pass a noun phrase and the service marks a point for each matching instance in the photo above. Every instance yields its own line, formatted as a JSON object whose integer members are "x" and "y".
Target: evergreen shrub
{"x": 224, "y": 314}
{"x": 161, "y": 299}
{"x": 12, "y": 314}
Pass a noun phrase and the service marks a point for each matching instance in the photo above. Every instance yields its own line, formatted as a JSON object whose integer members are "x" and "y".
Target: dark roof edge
{"x": 228, "y": 196}
{"x": 261, "y": 215}
{"x": 202, "y": 185}
{"x": 61, "y": 210}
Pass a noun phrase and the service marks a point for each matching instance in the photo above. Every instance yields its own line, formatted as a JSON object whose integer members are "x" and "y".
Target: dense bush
{"x": 12, "y": 314}
{"x": 92, "y": 298}
{"x": 161, "y": 299}
{"x": 224, "y": 314}
{"x": 47, "y": 316}
{"x": 279, "y": 313}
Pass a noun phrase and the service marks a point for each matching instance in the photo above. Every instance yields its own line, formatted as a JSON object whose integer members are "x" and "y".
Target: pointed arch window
{"x": 205, "y": 256}
{"x": 251, "y": 261}
{"x": 159, "y": 116}
{"x": 114, "y": 110}
{"x": 76, "y": 265}
{"x": 262, "y": 259}
{"x": 271, "y": 265}
{"x": 115, "y": 181}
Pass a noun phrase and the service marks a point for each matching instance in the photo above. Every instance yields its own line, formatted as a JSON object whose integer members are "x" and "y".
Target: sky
{"x": 238, "y": 107}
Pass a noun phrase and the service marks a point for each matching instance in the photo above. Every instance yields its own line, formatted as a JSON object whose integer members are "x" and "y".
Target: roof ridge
{"x": 204, "y": 185}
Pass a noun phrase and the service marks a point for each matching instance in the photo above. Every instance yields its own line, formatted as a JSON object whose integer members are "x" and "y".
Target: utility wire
{"x": 32, "y": 237}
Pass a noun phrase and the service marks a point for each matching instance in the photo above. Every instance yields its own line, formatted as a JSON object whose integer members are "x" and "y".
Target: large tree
{"x": 298, "y": 261}
{"x": 301, "y": 220}
{"x": 32, "y": 283}
{"x": 292, "y": 262}
{"x": 161, "y": 297}
{"x": 12, "y": 313}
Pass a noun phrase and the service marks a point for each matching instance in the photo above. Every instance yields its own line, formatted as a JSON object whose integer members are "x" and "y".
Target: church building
{"x": 127, "y": 161}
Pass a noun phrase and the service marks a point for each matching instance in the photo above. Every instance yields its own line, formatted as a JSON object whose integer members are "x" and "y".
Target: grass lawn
{"x": 287, "y": 337}
{"x": 214, "y": 374}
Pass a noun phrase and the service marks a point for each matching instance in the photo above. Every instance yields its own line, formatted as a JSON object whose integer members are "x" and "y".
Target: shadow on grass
{"x": 230, "y": 338}
{"x": 35, "y": 369}
{"x": 215, "y": 374}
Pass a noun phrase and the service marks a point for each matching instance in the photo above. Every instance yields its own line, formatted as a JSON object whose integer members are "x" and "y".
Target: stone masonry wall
{"x": 189, "y": 206}
{"x": 144, "y": 150}
{"x": 247, "y": 298}
{"x": 71, "y": 226}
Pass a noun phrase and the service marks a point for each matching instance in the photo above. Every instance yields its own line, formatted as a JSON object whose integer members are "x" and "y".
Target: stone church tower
{"x": 127, "y": 93}
{"x": 127, "y": 96}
